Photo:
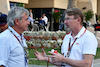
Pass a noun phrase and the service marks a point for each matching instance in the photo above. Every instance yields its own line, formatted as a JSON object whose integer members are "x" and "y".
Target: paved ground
{"x": 40, "y": 66}
{"x": 96, "y": 64}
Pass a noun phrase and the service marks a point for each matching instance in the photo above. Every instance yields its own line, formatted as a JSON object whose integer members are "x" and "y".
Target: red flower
{"x": 35, "y": 37}
{"x": 56, "y": 11}
{"x": 32, "y": 47}
{"x": 40, "y": 37}
{"x": 54, "y": 46}
{"x": 54, "y": 38}
{"x": 46, "y": 38}
{"x": 42, "y": 46}
{"x": 27, "y": 38}
{"x": 62, "y": 37}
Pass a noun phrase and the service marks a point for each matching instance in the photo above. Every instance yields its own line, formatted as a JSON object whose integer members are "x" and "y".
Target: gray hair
{"x": 16, "y": 13}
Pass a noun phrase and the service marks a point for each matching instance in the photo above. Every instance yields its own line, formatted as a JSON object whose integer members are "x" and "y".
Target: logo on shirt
{"x": 77, "y": 43}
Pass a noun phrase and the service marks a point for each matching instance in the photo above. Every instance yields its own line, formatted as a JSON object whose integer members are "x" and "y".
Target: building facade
{"x": 5, "y": 5}
{"x": 49, "y": 6}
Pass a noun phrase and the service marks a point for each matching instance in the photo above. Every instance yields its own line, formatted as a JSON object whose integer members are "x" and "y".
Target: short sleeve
{"x": 90, "y": 45}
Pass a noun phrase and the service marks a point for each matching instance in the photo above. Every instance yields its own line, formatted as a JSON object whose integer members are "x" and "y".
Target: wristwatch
{"x": 63, "y": 64}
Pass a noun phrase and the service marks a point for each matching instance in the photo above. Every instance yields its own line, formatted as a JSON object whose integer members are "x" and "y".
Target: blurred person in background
{"x": 30, "y": 13}
{"x": 3, "y": 22}
{"x": 45, "y": 19}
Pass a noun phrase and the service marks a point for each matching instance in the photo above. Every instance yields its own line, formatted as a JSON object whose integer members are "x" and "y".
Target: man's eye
{"x": 27, "y": 19}
{"x": 67, "y": 18}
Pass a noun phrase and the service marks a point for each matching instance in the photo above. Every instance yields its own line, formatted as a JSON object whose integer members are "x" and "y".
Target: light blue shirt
{"x": 11, "y": 51}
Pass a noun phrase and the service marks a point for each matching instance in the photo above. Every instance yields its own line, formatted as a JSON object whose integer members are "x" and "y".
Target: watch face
{"x": 63, "y": 64}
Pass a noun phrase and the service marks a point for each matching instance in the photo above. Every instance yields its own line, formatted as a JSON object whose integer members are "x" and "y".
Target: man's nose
{"x": 28, "y": 22}
{"x": 65, "y": 22}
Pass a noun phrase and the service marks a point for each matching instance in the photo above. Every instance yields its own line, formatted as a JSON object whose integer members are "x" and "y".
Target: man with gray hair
{"x": 13, "y": 51}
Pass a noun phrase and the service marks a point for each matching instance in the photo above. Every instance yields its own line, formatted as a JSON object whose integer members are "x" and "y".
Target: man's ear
{"x": 17, "y": 22}
{"x": 79, "y": 19}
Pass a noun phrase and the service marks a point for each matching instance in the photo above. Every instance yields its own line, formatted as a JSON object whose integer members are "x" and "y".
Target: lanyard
{"x": 70, "y": 46}
{"x": 17, "y": 38}
{"x": 24, "y": 48}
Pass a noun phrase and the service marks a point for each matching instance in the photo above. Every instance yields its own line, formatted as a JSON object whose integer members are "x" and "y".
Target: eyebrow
{"x": 26, "y": 19}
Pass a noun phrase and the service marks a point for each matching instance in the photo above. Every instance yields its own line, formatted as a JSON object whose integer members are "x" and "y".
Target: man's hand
{"x": 56, "y": 57}
{"x": 41, "y": 56}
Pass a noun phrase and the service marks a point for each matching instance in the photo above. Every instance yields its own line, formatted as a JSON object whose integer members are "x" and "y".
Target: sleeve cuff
{"x": 2, "y": 63}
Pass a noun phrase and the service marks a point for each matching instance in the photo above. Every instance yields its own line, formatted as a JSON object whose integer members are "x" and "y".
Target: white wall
{"x": 4, "y": 6}
{"x": 20, "y": 1}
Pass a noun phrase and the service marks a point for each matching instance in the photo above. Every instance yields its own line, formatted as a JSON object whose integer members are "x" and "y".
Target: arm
{"x": 87, "y": 62}
{"x": 43, "y": 57}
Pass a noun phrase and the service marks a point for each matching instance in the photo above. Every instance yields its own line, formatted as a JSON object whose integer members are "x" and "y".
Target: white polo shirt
{"x": 86, "y": 43}
{"x": 45, "y": 19}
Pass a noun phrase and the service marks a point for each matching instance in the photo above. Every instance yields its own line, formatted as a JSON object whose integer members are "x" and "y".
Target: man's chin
{"x": 68, "y": 29}
{"x": 26, "y": 30}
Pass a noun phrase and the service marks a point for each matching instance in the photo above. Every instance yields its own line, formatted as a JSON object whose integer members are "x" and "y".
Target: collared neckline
{"x": 15, "y": 33}
{"x": 81, "y": 32}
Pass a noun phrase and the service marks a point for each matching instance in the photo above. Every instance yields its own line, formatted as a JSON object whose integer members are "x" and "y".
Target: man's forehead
{"x": 25, "y": 15}
{"x": 68, "y": 15}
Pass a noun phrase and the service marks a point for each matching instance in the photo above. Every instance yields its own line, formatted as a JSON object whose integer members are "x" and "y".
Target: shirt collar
{"x": 15, "y": 33}
{"x": 81, "y": 32}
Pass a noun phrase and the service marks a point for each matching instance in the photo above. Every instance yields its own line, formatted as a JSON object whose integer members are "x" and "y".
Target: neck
{"x": 76, "y": 31}
{"x": 17, "y": 30}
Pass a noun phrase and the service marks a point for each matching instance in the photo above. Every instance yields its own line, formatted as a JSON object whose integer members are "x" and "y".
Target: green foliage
{"x": 56, "y": 15}
{"x": 88, "y": 15}
{"x": 97, "y": 54}
{"x": 21, "y": 4}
